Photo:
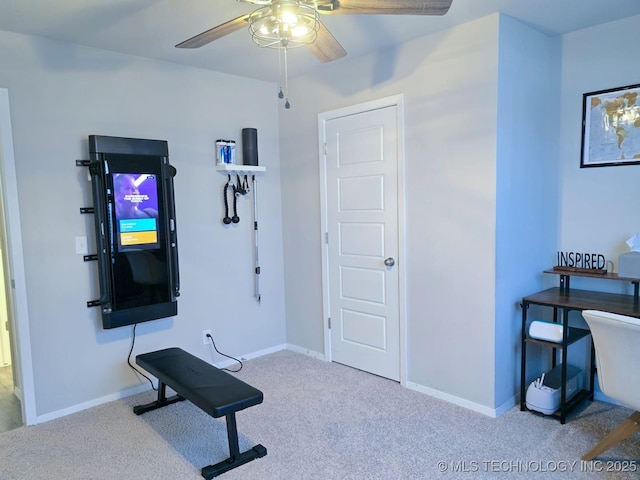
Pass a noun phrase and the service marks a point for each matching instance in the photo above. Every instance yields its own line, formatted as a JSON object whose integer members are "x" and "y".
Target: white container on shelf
{"x": 543, "y": 394}
{"x": 549, "y": 331}
{"x": 225, "y": 152}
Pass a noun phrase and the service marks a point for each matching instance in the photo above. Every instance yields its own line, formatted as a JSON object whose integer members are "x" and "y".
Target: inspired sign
{"x": 581, "y": 260}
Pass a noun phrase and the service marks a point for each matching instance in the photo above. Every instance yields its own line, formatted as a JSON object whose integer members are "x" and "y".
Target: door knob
{"x": 389, "y": 262}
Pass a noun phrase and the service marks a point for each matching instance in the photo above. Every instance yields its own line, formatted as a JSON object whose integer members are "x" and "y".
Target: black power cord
{"x": 133, "y": 342}
{"x": 224, "y": 355}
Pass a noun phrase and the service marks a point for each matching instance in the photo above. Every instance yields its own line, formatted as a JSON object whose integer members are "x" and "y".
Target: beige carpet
{"x": 319, "y": 421}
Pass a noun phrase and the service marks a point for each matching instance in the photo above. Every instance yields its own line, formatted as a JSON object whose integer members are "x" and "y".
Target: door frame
{"x": 17, "y": 306}
{"x": 323, "y": 118}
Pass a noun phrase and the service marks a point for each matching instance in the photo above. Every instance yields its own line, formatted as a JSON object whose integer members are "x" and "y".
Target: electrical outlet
{"x": 205, "y": 339}
{"x": 81, "y": 246}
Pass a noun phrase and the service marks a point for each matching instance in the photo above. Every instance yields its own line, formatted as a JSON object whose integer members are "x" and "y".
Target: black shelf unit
{"x": 570, "y": 336}
{"x": 564, "y": 300}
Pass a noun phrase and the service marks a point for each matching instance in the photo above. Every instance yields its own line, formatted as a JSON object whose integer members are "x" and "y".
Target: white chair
{"x": 616, "y": 339}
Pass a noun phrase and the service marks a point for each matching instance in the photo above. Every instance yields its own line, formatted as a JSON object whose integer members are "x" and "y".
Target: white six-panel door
{"x": 361, "y": 174}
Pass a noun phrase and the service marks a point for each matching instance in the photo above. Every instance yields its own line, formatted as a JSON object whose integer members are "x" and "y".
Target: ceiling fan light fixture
{"x": 288, "y": 18}
{"x": 300, "y": 31}
{"x": 284, "y": 24}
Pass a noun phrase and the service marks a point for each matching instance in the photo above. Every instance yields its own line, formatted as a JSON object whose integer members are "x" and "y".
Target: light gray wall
{"x": 493, "y": 112}
{"x": 527, "y": 186}
{"x": 599, "y": 206}
{"x": 61, "y": 93}
{"x": 458, "y": 95}
{"x": 449, "y": 81}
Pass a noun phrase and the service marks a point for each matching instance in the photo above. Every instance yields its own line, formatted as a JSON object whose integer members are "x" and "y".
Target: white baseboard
{"x": 17, "y": 392}
{"x": 92, "y": 403}
{"x": 476, "y": 407}
{"x": 508, "y": 405}
{"x": 250, "y": 356}
{"x": 491, "y": 412}
{"x": 601, "y": 397}
{"x": 306, "y": 351}
{"x": 141, "y": 388}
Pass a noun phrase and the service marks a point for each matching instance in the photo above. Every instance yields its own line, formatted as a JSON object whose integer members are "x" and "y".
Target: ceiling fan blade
{"x": 215, "y": 33}
{"x": 326, "y": 48}
{"x": 387, "y": 7}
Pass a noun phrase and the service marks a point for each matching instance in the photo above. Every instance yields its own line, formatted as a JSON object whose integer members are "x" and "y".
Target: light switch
{"x": 81, "y": 246}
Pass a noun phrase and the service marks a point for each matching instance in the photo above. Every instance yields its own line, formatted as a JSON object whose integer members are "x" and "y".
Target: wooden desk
{"x": 586, "y": 300}
{"x": 563, "y": 300}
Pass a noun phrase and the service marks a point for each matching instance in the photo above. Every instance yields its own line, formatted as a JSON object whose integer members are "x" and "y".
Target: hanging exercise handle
{"x": 227, "y": 219}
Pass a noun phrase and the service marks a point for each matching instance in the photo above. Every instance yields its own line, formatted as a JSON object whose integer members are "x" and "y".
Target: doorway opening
{"x": 10, "y": 407}
{"x": 17, "y": 407}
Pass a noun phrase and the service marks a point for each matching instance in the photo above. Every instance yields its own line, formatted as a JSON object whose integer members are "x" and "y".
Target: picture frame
{"x": 611, "y": 127}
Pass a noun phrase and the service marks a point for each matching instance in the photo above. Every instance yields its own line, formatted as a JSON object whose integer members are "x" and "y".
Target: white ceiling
{"x": 151, "y": 28}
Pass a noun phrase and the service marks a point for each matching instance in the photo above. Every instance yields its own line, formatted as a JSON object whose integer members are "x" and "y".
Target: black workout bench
{"x": 209, "y": 388}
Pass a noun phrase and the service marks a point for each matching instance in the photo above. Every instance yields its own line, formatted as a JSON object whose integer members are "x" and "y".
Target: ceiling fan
{"x": 285, "y": 24}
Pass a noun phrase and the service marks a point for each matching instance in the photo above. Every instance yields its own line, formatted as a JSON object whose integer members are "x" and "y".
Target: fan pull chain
{"x": 287, "y": 105}
{"x": 280, "y": 93}
{"x": 285, "y": 93}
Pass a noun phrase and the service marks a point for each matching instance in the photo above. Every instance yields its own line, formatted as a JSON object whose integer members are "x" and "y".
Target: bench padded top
{"x": 206, "y": 386}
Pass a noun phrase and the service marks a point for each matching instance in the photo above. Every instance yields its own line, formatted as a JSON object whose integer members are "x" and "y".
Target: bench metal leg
{"x": 235, "y": 457}
{"x": 162, "y": 401}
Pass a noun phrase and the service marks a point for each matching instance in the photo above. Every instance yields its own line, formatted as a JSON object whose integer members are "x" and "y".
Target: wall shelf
{"x": 240, "y": 169}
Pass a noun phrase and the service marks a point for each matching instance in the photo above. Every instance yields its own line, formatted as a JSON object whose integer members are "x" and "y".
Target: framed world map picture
{"x": 611, "y": 127}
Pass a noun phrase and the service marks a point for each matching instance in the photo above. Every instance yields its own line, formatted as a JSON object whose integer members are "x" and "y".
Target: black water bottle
{"x": 250, "y": 146}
